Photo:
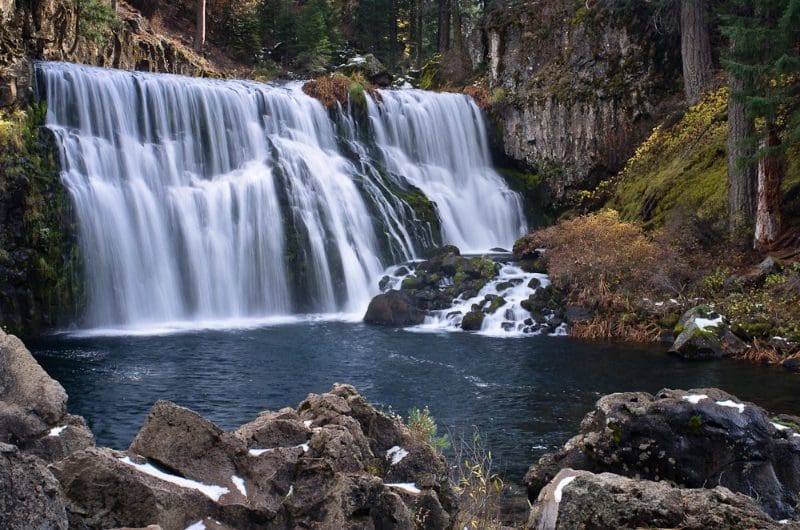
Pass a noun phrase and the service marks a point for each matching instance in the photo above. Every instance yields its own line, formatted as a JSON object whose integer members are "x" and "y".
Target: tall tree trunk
{"x": 114, "y": 5}
{"x": 420, "y": 28}
{"x": 770, "y": 175}
{"x": 695, "y": 50}
{"x": 444, "y": 26}
{"x": 200, "y": 31}
{"x": 741, "y": 174}
{"x": 458, "y": 32}
{"x": 393, "y": 44}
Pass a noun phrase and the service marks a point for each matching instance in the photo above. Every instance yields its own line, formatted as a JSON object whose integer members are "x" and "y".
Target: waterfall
{"x": 439, "y": 144}
{"x": 207, "y": 200}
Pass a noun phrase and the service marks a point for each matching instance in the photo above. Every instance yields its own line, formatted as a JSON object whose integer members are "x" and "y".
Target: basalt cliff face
{"x": 52, "y": 30}
{"x": 578, "y": 85}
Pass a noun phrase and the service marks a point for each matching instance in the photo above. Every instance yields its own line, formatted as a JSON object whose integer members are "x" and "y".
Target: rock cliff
{"x": 52, "y": 30}
{"x": 578, "y": 85}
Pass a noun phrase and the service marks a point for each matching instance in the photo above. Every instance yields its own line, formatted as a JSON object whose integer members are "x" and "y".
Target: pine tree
{"x": 764, "y": 64}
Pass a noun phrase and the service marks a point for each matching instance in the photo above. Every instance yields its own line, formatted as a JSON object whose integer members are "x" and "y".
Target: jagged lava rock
{"x": 696, "y": 439}
{"x": 579, "y": 499}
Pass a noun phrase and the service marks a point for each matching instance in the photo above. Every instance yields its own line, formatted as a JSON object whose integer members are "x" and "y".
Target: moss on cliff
{"x": 40, "y": 278}
{"x": 680, "y": 170}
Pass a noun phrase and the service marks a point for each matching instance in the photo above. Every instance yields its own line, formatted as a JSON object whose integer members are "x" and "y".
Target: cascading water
{"x": 217, "y": 200}
{"x": 439, "y": 144}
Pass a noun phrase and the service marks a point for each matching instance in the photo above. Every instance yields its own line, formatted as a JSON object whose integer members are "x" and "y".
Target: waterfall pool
{"x": 526, "y": 396}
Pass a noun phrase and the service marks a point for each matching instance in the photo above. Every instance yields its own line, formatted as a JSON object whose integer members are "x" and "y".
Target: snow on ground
{"x": 239, "y": 483}
{"x": 694, "y": 399}
{"x": 406, "y": 486}
{"x": 56, "y": 431}
{"x": 210, "y": 491}
{"x": 561, "y": 485}
{"x": 731, "y": 404}
{"x": 396, "y": 454}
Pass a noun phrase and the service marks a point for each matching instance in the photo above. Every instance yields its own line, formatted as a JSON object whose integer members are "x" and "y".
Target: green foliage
{"x": 97, "y": 20}
{"x": 765, "y": 55}
{"x": 695, "y": 424}
{"x": 423, "y": 427}
{"x": 36, "y": 228}
{"x": 680, "y": 172}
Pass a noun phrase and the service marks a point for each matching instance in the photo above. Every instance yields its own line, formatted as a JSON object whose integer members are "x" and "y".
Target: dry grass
{"x": 604, "y": 329}
{"x": 766, "y": 354}
{"x": 329, "y": 90}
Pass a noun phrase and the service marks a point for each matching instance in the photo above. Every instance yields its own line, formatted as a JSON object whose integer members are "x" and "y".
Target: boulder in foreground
{"x": 580, "y": 499}
{"x": 695, "y": 439}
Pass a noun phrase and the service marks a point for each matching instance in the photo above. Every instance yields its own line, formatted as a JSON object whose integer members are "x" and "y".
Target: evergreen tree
{"x": 764, "y": 64}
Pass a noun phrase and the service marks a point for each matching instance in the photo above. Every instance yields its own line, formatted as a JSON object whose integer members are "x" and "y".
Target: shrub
{"x": 599, "y": 252}
{"x": 423, "y": 427}
{"x": 478, "y": 487}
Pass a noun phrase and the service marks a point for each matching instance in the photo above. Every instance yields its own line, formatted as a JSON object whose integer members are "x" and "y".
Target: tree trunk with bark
{"x": 770, "y": 175}
{"x": 741, "y": 174}
{"x": 444, "y": 26}
{"x": 200, "y": 32}
{"x": 393, "y": 44}
{"x": 698, "y": 67}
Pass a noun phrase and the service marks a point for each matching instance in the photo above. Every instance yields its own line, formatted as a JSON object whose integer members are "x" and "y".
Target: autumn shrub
{"x": 479, "y": 488}
{"x": 604, "y": 257}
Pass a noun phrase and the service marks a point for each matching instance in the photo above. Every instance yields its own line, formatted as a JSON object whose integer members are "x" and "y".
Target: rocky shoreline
{"x": 691, "y": 459}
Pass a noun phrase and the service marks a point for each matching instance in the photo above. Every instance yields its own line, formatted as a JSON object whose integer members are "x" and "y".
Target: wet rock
{"x": 579, "y": 499}
{"x": 30, "y": 496}
{"x": 473, "y": 321}
{"x": 575, "y": 313}
{"x": 394, "y": 308}
{"x": 792, "y": 364}
{"x": 695, "y": 439}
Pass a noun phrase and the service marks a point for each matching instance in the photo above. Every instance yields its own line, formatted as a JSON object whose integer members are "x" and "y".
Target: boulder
{"x": 695, "y": 439}
{"x": 579, "y": 499}
{"x": 704, "y": 334}
{"x": 33, "y": 407}
{"x": 335, "y": 462}
{"x": 30, "y": 496}
{"x": 181, "y": 440}
{"x": 105, "y": 491}
{"x": 370, "y": 66}
{"x": 31, "y": 403}
{"x": 473, "y": 321}
{"x": 393, "y": 308}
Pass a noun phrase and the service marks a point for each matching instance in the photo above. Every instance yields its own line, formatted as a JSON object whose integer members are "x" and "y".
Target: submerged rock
{"x": 695, "y": 439}
{"x": 579, "y": 499}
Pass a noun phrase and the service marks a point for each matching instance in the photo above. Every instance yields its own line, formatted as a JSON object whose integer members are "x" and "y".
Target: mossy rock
{"x": 411, "y": 283}
{"x": 473, "y": 321}
{"x": 495, "y": 304}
